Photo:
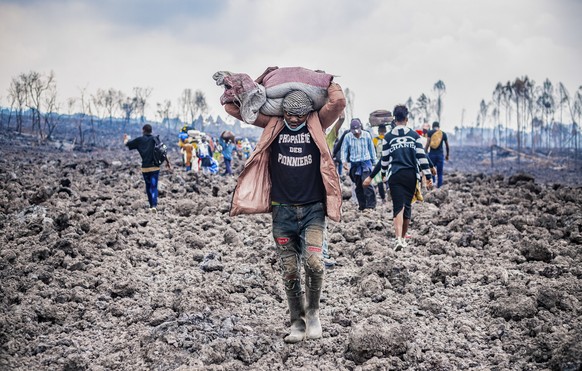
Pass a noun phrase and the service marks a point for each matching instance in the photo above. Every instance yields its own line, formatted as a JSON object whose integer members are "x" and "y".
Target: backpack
{"x": 435, "y": 139}
{"x": 336, "y": 154}
{"x": 160, "y": 151}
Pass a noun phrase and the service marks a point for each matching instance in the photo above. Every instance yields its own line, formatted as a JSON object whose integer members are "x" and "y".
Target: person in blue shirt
{"x": 358, "y": 150}
{"x": 227, "y": 148}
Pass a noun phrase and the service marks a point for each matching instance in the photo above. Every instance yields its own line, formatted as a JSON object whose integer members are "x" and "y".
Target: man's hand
{"x": 334, "y": 85}
{"x": 169, "y": 166}
{"x": 447, "y": 157}
{"x": 433, "y": 171}
{"x": 429, "y": 184}
{"x": 366, "y": 182}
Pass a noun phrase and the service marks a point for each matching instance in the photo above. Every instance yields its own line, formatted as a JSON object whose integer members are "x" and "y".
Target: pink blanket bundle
{"x": 282, "y": 80}
{"x": 234, "y": 85}
{"x": 267, "y": 92}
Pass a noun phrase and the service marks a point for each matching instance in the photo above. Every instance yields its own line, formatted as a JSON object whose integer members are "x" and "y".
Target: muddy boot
{"x": 297, "y": 313}
{"x": 313, "y": 283}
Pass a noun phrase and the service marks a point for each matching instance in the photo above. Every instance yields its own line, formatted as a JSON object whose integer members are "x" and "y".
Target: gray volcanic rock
{"x": 90, "y": 279}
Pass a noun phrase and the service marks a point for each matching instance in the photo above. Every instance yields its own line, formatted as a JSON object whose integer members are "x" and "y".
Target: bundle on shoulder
{"x": 266, "y": 93}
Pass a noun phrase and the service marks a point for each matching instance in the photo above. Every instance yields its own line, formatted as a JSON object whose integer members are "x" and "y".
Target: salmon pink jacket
{"x": 252, "y": 194}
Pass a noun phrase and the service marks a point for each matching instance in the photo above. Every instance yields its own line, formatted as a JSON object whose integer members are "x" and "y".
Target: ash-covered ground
{"x": 91, "y": 280}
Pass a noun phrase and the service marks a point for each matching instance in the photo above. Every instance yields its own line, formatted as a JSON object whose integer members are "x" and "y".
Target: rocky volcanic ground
{"x": 91, "y": 280}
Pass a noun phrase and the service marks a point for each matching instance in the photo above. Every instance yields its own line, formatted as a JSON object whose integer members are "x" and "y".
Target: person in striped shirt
{"x": 403, "y": 161}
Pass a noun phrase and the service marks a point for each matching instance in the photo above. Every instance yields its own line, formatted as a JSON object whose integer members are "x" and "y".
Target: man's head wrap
{"x": 297, "y": 103}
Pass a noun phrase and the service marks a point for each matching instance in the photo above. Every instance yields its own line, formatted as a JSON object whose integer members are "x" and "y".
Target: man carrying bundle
{"x": 434, "y": 147}
{"x": 291, "y": 174}
{"x": 226, "y": 141}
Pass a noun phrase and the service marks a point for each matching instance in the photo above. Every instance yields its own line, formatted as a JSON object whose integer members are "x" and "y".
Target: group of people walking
{"x": 400, "y": 156}
{"x": 292, "y": 175}
{"x": 200, "y": 152}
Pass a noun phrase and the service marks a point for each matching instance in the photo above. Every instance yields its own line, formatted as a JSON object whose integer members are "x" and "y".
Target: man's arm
{"x": 339, "y": 123}
{"x": 332, "y": 135}
{"x": 447, "y": 145}
{"x": 427, "y": 144}
{"x": 336, "y": 103}
{"x": 371, "y": 149}
{"x": 131, "y": 144}
{"x": 344, "y": 150}
{"x": 431, "y": 166}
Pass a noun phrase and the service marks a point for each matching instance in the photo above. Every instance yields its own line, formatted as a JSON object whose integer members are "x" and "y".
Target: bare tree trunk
{"x": 532, "y": 129}
{"x": 518, "y": 115}
{"x": 19, "y": 121}
{"x": 576, "y": 143}
{"x": 9, "y": 119}
{"x": 462, "y": 124}
{"x": 81, "y": 133}
{"x": 51, "y": 126}
{"x": 93, "y": 136}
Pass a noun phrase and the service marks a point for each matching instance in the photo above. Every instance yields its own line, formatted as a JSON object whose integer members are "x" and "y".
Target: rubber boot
{"x": 297, "y": 313}
{"x": 313, "y": 282}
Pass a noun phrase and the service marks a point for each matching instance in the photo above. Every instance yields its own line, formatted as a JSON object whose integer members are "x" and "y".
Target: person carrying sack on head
{"x": 292, "y": 175}
{"x": 434, "y": 147}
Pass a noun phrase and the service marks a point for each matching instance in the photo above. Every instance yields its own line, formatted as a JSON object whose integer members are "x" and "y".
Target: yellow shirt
{"x": 330, "y": 138}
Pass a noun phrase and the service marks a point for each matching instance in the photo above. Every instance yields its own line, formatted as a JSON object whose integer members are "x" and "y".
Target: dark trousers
{"x": 151, "y": 184}
{"x": 438, "y": 159}
{"x": 339, "y": 167}
{"x": 366, "y": 196}
{"x": 227, "y": 162}
{"x": 382, "y": 190}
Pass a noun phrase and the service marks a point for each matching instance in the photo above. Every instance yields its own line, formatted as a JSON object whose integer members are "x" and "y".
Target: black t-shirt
{"x": 145, "y": 146}
{"x": 295, "y": 173}
{"x": 439, "y": 149}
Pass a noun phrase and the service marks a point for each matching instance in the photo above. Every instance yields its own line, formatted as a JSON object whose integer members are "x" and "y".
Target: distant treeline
{"x": 519, "y": 114}
{"x": 91, "y": 131}
{"x": 34, "y": 107}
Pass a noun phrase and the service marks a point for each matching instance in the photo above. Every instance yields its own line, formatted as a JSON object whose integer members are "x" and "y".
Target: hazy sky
{"x": 383, "y": 50}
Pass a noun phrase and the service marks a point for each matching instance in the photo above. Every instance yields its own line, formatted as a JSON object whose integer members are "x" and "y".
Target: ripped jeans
{"x": 298, "y": 232}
